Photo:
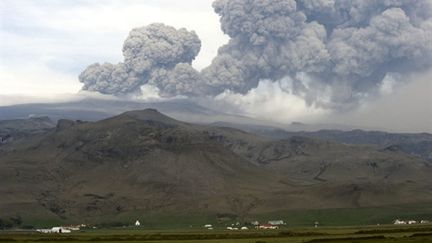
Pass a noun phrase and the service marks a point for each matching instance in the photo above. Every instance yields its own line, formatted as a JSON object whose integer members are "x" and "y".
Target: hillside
{"x": 416, "y": 144}
{"x": 148, "y": 163}
{"x": 15, "y": 130}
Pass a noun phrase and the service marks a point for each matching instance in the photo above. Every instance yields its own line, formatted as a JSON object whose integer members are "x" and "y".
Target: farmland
{"x": 381, "y": 234}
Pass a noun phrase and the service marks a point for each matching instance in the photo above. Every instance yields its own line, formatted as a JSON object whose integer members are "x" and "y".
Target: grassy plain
{"x": 365, "y": 234}
{"x": 294, "y": 218}
{"x": 188, "y": 228}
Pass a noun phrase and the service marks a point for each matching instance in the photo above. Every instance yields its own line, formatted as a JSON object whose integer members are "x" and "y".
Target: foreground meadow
{"x": 380, "y": 234}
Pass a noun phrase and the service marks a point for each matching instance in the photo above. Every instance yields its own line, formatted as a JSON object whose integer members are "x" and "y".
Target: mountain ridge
{"x": 144, "y": 161}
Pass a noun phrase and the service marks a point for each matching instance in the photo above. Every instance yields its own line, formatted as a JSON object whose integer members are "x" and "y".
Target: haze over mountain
{"x": 146, "y": 162}
{"x": 93, "y": 109}
{"x": 357, "y": 63}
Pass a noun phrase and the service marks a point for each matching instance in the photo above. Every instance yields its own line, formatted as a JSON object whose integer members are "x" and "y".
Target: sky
{"x": 46, "y": 44}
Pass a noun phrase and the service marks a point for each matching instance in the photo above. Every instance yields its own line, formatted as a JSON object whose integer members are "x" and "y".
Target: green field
{"x": 293, "y": 218}
{"x": 189, "y": 228}
{"x": 380, "y": 234}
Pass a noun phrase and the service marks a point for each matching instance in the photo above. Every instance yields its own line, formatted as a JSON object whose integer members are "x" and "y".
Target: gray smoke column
{"x": 335, "y": 51}
{"x": 154, "y": 54}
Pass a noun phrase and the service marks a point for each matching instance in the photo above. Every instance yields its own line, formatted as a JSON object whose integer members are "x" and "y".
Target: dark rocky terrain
{"x": 144, "y": 161}
{"x": 416, "y": 144}
{"x": 18, "y": 129}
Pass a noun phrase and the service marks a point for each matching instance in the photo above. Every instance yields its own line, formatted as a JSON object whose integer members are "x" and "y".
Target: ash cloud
{"x": 334, "y": 52}
{"x": 341, "y": 48}
{"x": 154, "y": 54}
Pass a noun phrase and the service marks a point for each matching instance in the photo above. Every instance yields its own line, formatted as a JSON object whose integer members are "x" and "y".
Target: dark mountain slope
{"x": 16, "y": 130}
{"x": 144, "y": 161}
{"x": 417, "y": 144}
{"x": 135, "y": 161}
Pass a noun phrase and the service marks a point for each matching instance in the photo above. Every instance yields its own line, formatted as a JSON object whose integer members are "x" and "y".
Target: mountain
{"x": 416, "y": 144}
{"x": 190, "y": 110}
{"x": 93, "y": 109}
{"x": 144, "y": 162}
{"x": 13, "y": 130}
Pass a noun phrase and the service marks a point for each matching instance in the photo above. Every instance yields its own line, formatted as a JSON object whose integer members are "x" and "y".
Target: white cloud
{"x": 36, "y": 81}
{"x": 389, "y": 83}
{"x": 270, "y": 101}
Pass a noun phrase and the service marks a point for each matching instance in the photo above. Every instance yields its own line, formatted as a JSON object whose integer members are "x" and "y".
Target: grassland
{"x": 365, "y": 234}
{"x": 293, "y": 218}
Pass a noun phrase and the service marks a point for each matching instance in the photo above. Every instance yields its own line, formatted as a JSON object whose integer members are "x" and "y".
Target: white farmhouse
{"x": 268, "y": 226}
{"x": 397, "y": 221}
{"x": 60, "y": 230}
{"x": 276, "y": 222}
{"x": 137, "y": 223}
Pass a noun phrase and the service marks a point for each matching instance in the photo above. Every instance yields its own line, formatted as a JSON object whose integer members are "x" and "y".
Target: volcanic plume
{"x": 329, "y": 52}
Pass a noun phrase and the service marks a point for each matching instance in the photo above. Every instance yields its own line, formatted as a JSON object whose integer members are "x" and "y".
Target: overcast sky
{"x": 45, "y": 44}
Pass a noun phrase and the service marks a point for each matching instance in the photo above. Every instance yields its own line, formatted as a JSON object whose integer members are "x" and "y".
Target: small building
{"x": 412, "y": 222}
{"x": 425, "y": 222}
{"x": 73, "y": 227}
{"x": 137, "y": 223}
{"x": 268, "y": 226}
{"x": 45, "y": 231}
{"x": 276, "y": 222}
{"x": 244, "y": 228}
{"x": 397, "y": 221}
{"x": 59, "y": 230}
{"x": 208, "y": 226}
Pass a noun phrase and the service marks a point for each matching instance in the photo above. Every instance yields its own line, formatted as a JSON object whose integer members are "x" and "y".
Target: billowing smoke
{"x": 155, "y": 54}
{"x": 110, "y": 79}
{"x": 334, "y": 52}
